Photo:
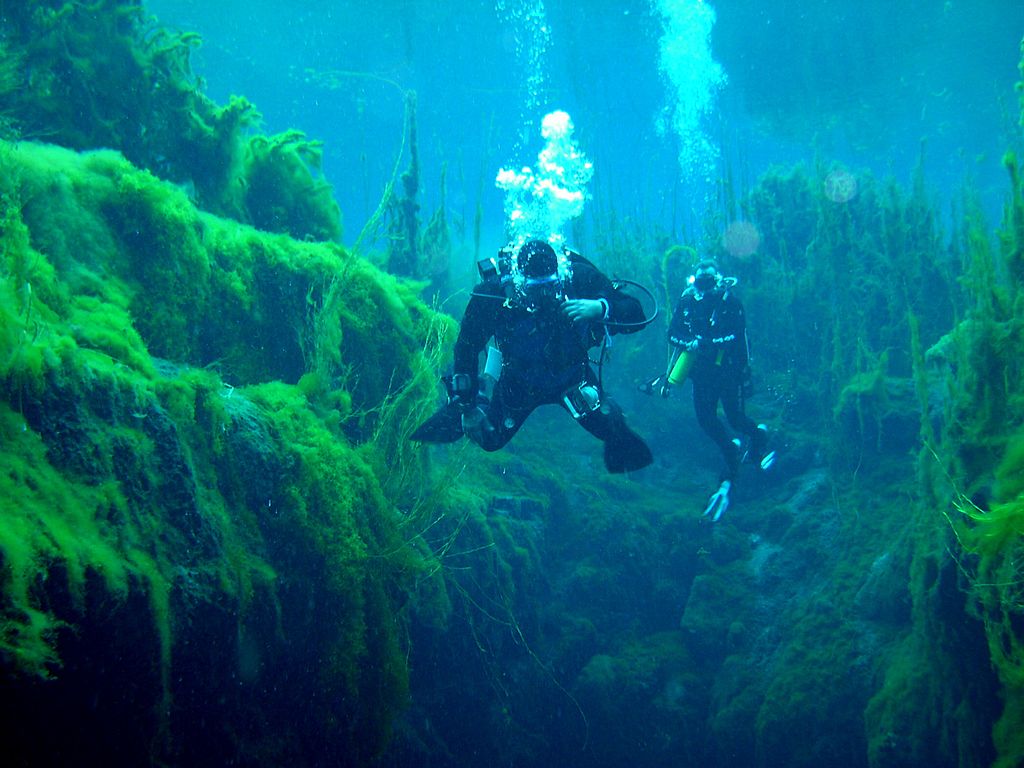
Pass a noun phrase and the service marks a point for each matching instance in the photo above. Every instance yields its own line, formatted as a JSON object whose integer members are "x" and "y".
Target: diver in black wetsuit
{"x": 708, "y": 337}
{"x": 544, "y": 315}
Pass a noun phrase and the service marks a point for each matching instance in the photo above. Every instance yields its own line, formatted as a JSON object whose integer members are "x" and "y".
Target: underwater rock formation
{"x": 106, "y": 74}
{"x": 197, "y": 530}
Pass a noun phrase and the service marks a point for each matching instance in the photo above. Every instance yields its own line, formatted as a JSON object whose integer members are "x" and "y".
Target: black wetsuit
{"x": 717, "y": 323}
{"x": 545, "y": 357}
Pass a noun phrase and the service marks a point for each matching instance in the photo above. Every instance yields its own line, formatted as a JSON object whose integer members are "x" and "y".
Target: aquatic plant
{"x": 980, "y": 450}
{"x": 436, "y": 248}
{"x": 107, "y": 75}
{"x": 284, "y": 191}
{"x": 994, "y": 534}
{"x": 403, "y": 256}
{"x": 198, "y": 418}
{"x": 11, "y": 68}
{"x": 851, "y": 274}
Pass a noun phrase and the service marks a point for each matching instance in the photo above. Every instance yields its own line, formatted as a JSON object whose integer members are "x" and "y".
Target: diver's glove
{"x": 701, "y": 346}
{"x": 658, "y": 384}
{"x": 719, "y": 502}
{"x": 585, "y": 310}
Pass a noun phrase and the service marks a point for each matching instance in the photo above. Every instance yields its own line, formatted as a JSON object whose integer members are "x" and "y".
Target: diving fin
{"x": 626, "y": 451}
{"x": 718, "y": 503}
{"x": 445, "y": 426}
{"x": 757, "y": 452}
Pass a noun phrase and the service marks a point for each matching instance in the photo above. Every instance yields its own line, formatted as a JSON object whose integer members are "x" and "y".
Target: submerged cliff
{"x": 198, "y": 420}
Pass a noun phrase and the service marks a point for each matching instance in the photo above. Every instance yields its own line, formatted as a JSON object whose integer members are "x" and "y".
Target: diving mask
{"x": 541, "y": 290}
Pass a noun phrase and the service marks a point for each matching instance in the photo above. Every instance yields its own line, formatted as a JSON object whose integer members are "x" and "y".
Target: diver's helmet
{"x": 705, "y": 278}
{"x": 537, "y": 264}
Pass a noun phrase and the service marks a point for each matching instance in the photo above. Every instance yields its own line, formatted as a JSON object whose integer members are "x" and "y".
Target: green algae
{"x": 192, "y": 408}
{"x": 851, "y": 272}
{"x": 980, "y": 449}
{"x": 285, "y": 191}
{"x": 46, "y": 518}
{"x": 106, "y": 74}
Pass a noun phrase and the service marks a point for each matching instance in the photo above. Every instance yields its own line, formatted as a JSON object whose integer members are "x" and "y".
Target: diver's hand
{"x": 584, "y": 310}
{"x": 658, "y": 384}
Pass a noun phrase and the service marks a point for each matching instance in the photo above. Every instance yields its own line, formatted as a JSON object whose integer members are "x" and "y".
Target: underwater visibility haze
{"x": 247, "y": 250}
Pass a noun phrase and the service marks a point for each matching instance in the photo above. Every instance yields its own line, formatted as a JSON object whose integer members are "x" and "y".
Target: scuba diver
{"x": 708, "y": 343}
{"x": 544, "y": 313}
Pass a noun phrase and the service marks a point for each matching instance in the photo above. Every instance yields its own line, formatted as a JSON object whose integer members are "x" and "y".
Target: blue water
{"x": 861, "y": 84}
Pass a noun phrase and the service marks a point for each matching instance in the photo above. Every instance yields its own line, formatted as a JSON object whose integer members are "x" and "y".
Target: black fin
{"x": 626, "y": 451}
{"x": 445, "y": 426}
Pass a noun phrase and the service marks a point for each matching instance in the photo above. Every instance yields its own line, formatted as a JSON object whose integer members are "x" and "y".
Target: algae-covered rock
{"x": 165, "y": 471}
{"x": 106, "y": 74}
{"x": 649, "y": 691}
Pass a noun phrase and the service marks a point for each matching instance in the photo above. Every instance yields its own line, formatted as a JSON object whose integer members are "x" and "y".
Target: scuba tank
{"x": 682, "y": 367}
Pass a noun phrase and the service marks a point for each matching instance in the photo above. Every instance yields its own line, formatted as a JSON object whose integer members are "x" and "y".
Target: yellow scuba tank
{"x": 681, "y": 369}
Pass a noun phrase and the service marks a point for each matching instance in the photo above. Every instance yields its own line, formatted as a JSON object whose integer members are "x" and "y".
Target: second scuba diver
{"x": 708, "y": 343}
{"x": 544, "y": 313}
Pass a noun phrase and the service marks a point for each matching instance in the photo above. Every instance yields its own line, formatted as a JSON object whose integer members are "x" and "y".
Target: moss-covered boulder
{"x": 106, "y": 74}
{"x": 198, "y": 528}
